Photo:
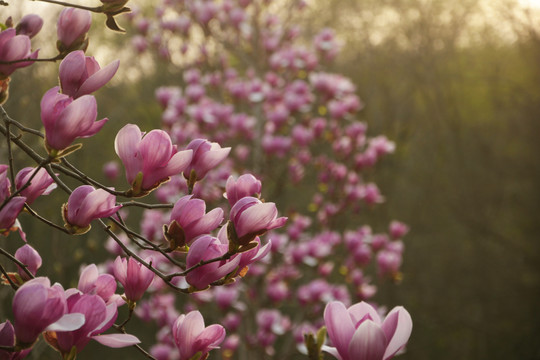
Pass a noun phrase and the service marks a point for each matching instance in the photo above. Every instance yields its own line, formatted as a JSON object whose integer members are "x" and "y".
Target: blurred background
{"x": 456, "y": 84}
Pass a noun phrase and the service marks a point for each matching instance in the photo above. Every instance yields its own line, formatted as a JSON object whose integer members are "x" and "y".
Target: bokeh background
{"x": 456, "y": 84}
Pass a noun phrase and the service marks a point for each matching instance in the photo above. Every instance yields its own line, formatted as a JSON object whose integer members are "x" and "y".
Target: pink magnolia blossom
{"x": 7, "y": 338}
{"x": 252, "y": 217}
{"x": 66, "y": 119}
{"x": 14, "y": 47}
{"x": 188, "y": 220}
{"x": 29, "y": 25}
{"x": 5, "y": 184}
{"x": 398, "y": 229}
{"x": 29, "y": 257}
{"x": 389, "y": 262}
{"x": 86, "y": 204}
{"x": 134, "y": 277}
{"x": 206, "y": 247}
{"x": 206, "y": 156}
{"x": 9, "y": 212}
{"x": 245, "y": 185}
{"x": 192, "y": 337}
{"x": 104, "y": 285}
{"x": 111, "y": 170}
{"x": 82, "y": 75}
{"x": 247, "y": 257}
{"x": 99, "y": 317}
{"x": 72, "y": 26}
{"x": 40, "y": 184}
{"x": 150, "y": 159}
{"x": 359, "y": 334}
{"x": 38, "y": 306}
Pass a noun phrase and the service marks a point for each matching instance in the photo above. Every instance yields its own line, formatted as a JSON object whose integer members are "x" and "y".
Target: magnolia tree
{"x": 252, "y": 104}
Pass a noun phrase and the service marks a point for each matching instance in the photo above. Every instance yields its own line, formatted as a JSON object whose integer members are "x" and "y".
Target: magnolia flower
{"x": 82, "y": 75}
{"x": 188, "y": 220}
{"x": 72, "y": 26}
{"x": 359, "y": 334}
{"x": 40, "y": 184}
{"x": 134, "y": 277}
{"x": 245, "y": 185}
{"x": 192, "y": 337}
{"x": 206, "y": 247}
{"x": 29, "y": 257}
{"x": 103, "y": 285}
{"x": 29, "y": 25}
{"x": 206, "y": 156}
{"x": 99, "y": 318}
{"x": 66, "y": 119}
{"x": 149, "y": 159}
{"x": 38, "y": 306}
{"x": 251, "y": 217}
{"x": 86, "y": 204}
{"x": 9, "y": 213}
{"x": 14, "y": 47}
{"x": 398, "y": 229}
{"x": 7, "y": 338}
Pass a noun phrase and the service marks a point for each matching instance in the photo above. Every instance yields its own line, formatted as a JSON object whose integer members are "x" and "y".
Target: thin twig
{"x": 59, "y": 182}
{"x": 149, "y": 266}
{"x": 130, "y": 233}
{"x": 225, "y": 256}
{"x": 97, "y": 9}
{"x": 13, "y": 285}
{"x": 42, "y": 219}
{"x": 79, "y": 175}
{"x": 137, "y": 346}
{"x": 147, "y": 206}
{"x": 10, "y": 154}
{"x": 26, "y": 129}
{"x": 53, "y": 59}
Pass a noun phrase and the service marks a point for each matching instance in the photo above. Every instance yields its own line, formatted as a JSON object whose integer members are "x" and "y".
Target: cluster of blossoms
{"x": 285, "y": 116}
{"x": 295, "y": 124}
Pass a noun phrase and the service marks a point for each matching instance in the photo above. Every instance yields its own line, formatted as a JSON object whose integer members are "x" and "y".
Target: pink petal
{"x": 71, "y": 71}
{"x": 210, "y": 338}
{"x": 339, "y": 326}
{"x": 360, "y": 310}
{"x": 126, "y": 145}
{"x": 88, "y": 278}
{"x": 256, "y": 218}
{"x": 368, "y": 342}
{"x": 398, "y": 327}
{"x": 116, "y": 340}
{"x": 188, "y": 330}
{"x": 332, "y": 351}
{"x": 110, "y": 316}
{"x": 68, "y": 322}
{"x": 99, "y": 79}
{"x": 179, "y": 162}
{"x": 120, "y": 269}
{"x": 156, "y": 150}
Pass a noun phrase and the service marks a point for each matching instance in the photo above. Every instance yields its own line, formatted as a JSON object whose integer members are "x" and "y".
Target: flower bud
{"x": 29, "y": 25}
{"x": 250, "y": 217}
{"x": 66, "y": 119}
{"x": 29, "y": 257}
{"x": 82, "y": 75}
{"x": 14, "y": 47}
{"x": 86, "y": 204}
{"x": 192, "y": 337}
{"x": 134, "y": 277}
{"x": 41, "y": 183}
{"x": 72, "y": 27}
